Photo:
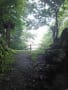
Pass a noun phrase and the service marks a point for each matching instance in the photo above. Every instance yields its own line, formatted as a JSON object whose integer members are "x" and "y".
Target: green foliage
{"x": 19, "y": 39}
{"x": 5, "y": 57}
{"x": 12, "y": 11}
{"x": 42, "y": 11}
{"x": 63, "y": 16}
{"x": 46, "y": 41}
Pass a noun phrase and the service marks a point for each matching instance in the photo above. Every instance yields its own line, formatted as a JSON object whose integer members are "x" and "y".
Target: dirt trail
{"x": 23, "y": 62}
{"x": 21, "y": 74}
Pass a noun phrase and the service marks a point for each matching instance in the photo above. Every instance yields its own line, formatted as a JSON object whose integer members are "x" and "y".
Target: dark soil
{"x": 23, "y": 74}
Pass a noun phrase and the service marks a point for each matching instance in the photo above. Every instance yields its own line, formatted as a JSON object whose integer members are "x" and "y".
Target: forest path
{"x": 23, "y": 62}
{"x": 21, "y": 74}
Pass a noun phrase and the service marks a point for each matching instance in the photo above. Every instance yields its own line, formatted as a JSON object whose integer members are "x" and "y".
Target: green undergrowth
{"x": 35, "y": 53}
{"x": 6, "y": 58}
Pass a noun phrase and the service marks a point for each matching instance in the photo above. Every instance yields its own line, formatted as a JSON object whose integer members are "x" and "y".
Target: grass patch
{"x": 7, "y": 62}
{"x": 35, "y": 53}
{"x": 22, "y": 51}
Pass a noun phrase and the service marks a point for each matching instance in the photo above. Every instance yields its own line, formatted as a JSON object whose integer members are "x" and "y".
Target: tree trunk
{"x": 8, "y": 36}
{"x": 56, "y": 26}
{"x": 56, "y": 36}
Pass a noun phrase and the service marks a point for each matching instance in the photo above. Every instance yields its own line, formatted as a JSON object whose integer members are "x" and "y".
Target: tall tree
{"x": 43, "y": 11}
{"x": 11, "y": 12}
{"x": 63, "y": 16}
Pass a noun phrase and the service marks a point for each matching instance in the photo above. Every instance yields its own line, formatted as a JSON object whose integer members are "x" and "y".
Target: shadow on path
{"x": 20, "y": 77}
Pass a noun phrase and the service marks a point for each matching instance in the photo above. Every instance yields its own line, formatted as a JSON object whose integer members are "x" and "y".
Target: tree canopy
{"x": 42, "y": 11}
{"x": 10, "y": 16}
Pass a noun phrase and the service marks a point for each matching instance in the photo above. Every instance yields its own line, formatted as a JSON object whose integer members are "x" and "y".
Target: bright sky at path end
{"x": 39, "y": 33}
